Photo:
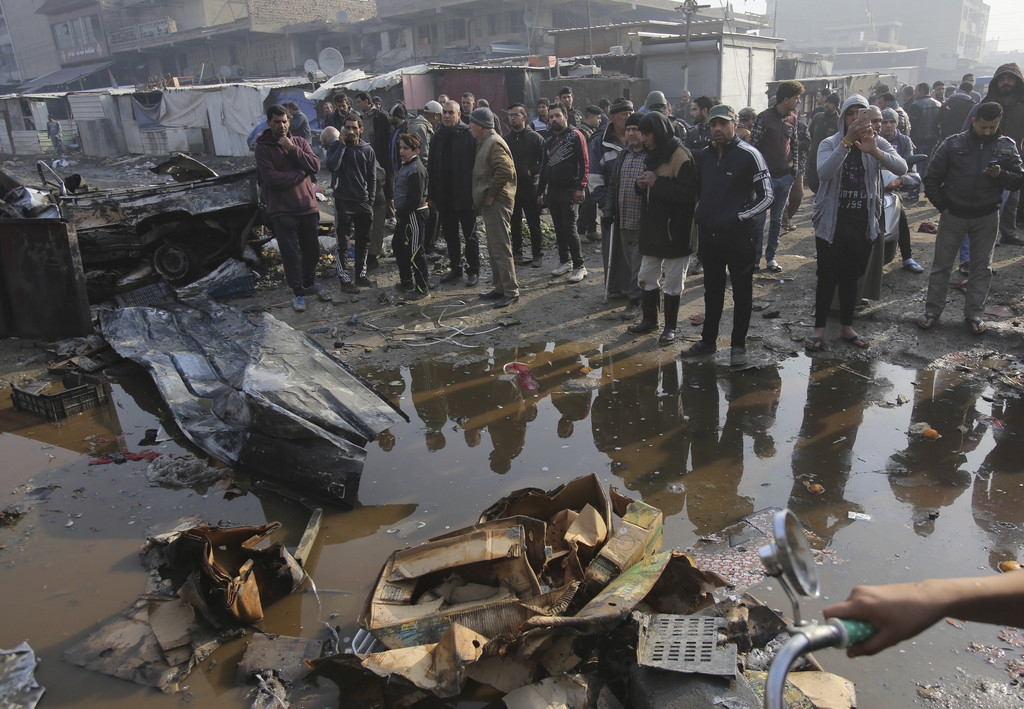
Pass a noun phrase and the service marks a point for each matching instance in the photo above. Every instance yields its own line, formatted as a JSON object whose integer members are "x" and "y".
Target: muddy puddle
{"x": 838, "y": 442}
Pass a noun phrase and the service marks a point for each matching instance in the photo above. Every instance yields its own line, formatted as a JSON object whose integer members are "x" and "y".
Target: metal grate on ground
{"x": 685, "y": 643}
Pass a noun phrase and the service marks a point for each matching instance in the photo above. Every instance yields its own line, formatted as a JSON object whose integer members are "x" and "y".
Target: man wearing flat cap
{"x": 494, "y": 193}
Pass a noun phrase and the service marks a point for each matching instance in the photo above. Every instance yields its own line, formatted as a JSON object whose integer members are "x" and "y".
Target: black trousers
{"x": 300, "y": 249}
{"x": 732, "y": 249}
{"x": 408, "y": 247}
{"x": 562, "y": 205}
{"x": 526, "y": 205}
{"x": 356, "y": 220}
{"x": 451, "y": 220}
{"x": 840, "y": 264}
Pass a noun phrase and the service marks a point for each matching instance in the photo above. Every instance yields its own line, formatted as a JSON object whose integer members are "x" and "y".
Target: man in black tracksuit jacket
{"x": 735, "y": 187}
{"x": 527, "y": 147}
{"x": 563, "y": 176}
{"x": 450, "y": 180}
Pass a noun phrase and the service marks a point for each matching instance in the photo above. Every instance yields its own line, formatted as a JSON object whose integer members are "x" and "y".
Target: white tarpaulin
{"x": 334, "y": 82}
{"x": 243, "y": 107}
{"x": 184, "y": 108}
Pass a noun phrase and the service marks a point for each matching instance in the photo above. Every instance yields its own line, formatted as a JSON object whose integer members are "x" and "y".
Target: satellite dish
{"x": 225, "y": 71}
{"x": 331, "y": 61}
{"x": 310, "y": 66}
{"x": 342, "y": 17}
{"x": 528, "y": 18}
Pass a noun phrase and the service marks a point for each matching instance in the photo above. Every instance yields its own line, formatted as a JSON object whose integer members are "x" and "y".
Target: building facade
{"x": 952, "y": 31}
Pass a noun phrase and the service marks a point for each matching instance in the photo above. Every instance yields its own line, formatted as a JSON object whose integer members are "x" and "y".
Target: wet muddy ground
{"x": 835, "y": 440}
{"x": 835, "y": 437}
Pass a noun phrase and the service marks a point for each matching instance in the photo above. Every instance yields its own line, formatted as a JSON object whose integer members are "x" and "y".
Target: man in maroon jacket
{"x": 285, "y": 165}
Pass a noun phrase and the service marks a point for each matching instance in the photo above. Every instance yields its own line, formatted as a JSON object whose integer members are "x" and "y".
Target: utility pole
{"x": 689, "y": 9}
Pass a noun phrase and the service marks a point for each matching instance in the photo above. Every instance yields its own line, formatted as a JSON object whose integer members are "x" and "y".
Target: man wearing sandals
{"x": 965, "y": 182}
{"x": 847, "y": 209}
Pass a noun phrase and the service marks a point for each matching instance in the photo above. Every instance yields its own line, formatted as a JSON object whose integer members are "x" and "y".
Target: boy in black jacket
{"x": 411, "y": 213}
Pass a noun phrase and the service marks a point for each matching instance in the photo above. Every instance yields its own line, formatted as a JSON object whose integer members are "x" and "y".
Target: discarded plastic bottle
{"x": 525, "y": 378}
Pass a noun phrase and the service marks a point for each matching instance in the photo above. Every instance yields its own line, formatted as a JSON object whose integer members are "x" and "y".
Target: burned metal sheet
{"x": 131, "y": 206}
{"x": 260, "y": 397}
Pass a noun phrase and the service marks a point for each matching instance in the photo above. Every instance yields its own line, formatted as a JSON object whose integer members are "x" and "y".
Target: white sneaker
{"x": 563, "y": 268}
{"x": 578, "y": 274}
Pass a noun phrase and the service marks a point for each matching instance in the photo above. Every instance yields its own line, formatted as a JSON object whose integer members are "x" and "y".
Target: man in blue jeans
{"x": 775, "y": 135}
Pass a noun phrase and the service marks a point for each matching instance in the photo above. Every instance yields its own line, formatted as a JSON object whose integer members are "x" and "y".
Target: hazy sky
{"x": 1006, "y": 21}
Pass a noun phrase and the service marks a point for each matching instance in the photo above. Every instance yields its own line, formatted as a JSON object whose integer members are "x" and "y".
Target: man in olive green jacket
{"x": 494, "y": 192}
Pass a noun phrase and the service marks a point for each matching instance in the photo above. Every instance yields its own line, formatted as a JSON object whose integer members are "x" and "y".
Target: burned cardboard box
{"x": 480, "y": 579}
{"x": 637, "y": 536}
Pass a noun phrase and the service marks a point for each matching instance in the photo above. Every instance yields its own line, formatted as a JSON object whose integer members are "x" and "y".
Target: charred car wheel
{"x": 175, "y": 262}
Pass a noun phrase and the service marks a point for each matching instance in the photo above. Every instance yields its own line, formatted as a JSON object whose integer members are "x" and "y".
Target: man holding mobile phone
{"x": 970, "y": 206}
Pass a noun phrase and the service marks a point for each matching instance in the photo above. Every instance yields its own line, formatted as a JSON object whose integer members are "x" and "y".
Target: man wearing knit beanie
{"x": 494, "y": 193}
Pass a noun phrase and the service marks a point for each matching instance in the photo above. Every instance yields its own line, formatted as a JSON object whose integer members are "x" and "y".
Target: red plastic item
{"x": 525, "y": 378}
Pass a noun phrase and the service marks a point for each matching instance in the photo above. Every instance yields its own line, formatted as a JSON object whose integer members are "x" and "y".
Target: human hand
{"x": 488, "y": 201}
{"x": 286, "y": 143}
{"x": 646, "y": 179}
{"x": 898, "y": 611}
{"x": 579, "y": 196}
{"x": 993, "y": 170}
{"x": 867, "y": 142}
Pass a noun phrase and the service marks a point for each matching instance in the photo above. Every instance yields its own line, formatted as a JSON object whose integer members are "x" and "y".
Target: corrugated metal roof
{"x": 62, "y": 77}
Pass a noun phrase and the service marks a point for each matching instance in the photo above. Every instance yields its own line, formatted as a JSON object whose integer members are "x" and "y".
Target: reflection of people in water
{"x": 573, "y": 406}
{"x": 712, "y": 486}
{"x": 753, "y": 403}
{"x": 428, "y": 398}
{"x": 929, "y": 474}
{"x": 823, "y": 454}
{"x": 998, "y": 497}
{"x": 637, "y": 420}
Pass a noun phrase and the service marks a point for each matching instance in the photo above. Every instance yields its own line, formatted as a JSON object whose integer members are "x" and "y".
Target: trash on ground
{"x": 282, "y": 656}
{"x": 18, "y": 688}
{"x": 157, "y": 643}
{"x": 858, "y": 516}
{"x": 182, "y": 471}
{"x": 524, "y": 377}
{"x": 261, "y": 397}
{"x": 221, "y": 572}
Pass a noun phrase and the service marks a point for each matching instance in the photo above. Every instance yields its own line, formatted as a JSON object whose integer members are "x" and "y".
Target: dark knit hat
{"x": 482, "y": 117}
{"x": 634, "y": 119}
{"x": 398, "y": 111}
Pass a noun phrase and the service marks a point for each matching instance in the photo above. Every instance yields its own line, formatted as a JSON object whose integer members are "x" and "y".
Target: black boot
{"x": 649, "y": 300}
{"x": 668, "y": 335}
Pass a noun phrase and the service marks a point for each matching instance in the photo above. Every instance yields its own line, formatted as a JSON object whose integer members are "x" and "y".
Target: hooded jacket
{"x": 410, "y": 187}
{"x": 955, "y": 179}
{"x": 1012, "y": 122}
{"x": 831, "y": 156}
{"x": 286, "y": 177}
{"x": 666, "y": 207}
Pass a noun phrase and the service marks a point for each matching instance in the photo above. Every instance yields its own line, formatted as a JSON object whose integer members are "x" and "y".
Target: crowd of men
{"x": 710, "y": 188}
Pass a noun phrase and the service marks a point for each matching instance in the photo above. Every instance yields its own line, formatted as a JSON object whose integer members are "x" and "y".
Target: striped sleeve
{"x": 761, "y": 193}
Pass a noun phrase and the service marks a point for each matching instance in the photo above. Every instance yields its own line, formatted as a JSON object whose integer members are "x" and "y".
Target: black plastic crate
{"x": 81, "y": 392}
{"x": 235, "y": 288}
{"x": 146, "y": 295}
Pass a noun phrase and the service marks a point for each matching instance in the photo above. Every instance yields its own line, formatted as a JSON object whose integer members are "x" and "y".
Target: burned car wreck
{"x": 128, "y": 236}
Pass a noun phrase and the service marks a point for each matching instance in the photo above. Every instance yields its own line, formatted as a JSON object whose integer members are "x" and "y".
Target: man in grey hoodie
{"x": 847, "y": 209}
